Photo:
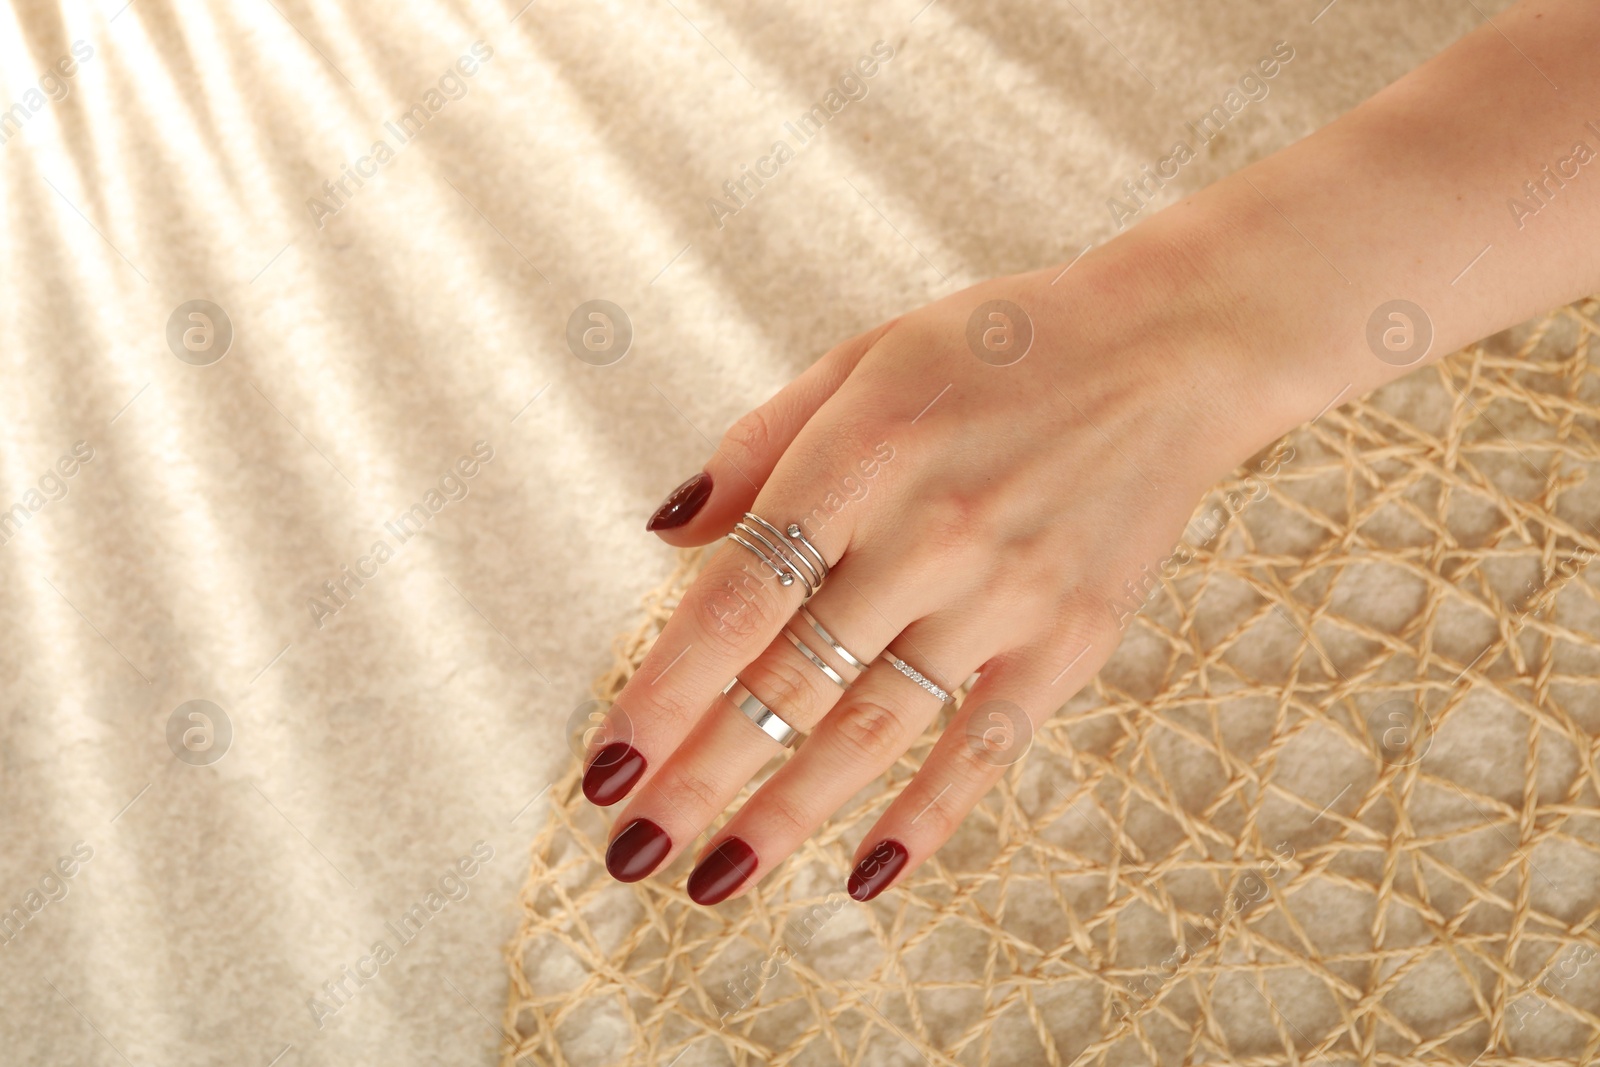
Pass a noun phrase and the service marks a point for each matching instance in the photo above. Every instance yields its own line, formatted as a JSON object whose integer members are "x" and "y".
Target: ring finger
{"x": 884, "y": 711}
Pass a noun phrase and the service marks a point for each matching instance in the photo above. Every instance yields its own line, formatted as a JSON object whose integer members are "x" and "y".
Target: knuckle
{"x": 665, "y": 705}
{"x": 733, "y": 611}
{"x": 856, "y": 433}
{"x": 973, "y": 759}
{"x": 1086, "y": 617}
{"x": 951, "y": 523}
{"x": 1035, "y": 565}
{"x": 1017, "y": 602}
{"x": 684, "y": 785}
{"x": 783, "y": 684}
{"x": 939, "y": 816}
{"x": 1015, "y": 608}
{"x": 795, "y": 822}
{"x": 908, "y": 337}
{"x": 750, "y": 437}
{"x": 870, "y": 731}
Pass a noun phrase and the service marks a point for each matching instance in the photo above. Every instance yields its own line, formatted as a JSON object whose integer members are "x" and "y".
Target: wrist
{"x": 1286, "y": 330}
{"x": 1217, "y": 325}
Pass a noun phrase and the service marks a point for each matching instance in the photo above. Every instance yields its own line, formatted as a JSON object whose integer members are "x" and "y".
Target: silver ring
{"x": 790, "y": 552}
{"x": 800, "y": 539}
{"x": 833, "y": 676}
{"x": 915, "y": 675}
{"x": 766, "y": 720}
{"x": 791, "y": 558}
{"x": 781, "y": 572}
{"x": 844, "y": 653}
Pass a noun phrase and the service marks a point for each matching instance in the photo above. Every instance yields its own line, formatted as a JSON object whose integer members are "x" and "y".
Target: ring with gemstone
{"x": 915, "y": 675}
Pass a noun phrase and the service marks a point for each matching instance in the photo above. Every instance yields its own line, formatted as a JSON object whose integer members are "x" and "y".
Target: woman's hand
{"x": 1006, "y": 517}
{"x": 995, "y": 480}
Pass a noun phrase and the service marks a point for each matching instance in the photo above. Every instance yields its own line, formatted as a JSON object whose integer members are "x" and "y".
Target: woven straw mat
{"x": 1333, "y": 799}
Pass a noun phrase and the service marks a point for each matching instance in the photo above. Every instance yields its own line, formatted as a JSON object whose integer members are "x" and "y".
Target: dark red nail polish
{"x": 683, "y": 504}
{"x": 637, "y": 851}
{"x": 723, "y": 870}
{"x": 611, "y": 773}
{"x": 877, "y": 869}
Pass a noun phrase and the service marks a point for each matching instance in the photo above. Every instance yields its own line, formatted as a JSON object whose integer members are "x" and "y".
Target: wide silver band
{"x": 915, "y": 675}
{"x": 790, "y": 556}
{"x": 844, "y": 653}
{"x": 833, "y": 676}
{"x": 767, "y": 720}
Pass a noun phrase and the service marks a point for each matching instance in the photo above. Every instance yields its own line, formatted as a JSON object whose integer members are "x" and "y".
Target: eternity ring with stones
{"x": 915, "y": 675}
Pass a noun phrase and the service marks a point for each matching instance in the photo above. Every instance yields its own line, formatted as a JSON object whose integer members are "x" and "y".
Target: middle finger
{"x": 726, "y": 749}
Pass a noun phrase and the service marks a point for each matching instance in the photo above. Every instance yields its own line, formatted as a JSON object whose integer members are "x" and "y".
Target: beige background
{"x": 371, "y": 753}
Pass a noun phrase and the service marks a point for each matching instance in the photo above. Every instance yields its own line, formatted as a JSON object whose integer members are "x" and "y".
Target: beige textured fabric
{"x": 370, "y": 754}
{"x": 1334, "y": 798}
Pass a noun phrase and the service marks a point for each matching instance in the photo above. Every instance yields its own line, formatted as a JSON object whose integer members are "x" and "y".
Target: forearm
{"x": 1399, "y": 199}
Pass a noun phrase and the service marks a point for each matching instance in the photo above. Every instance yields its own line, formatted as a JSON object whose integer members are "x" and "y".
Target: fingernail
{"x": 682, "y": 504}
{"x": 721, "y": 872}
{"x": 637, "y": 851}
{"x": 876, "y": 870}
{"x": 612, "y": 773}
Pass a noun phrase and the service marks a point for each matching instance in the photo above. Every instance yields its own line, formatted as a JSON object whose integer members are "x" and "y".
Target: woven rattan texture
{"x": 1334, "y": 799}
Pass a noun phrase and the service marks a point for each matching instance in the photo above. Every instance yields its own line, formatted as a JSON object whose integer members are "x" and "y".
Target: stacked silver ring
{"x": 789, "y": 554}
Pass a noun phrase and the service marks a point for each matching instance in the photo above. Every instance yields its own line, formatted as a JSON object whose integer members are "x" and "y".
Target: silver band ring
{"x": 766, "y": 720}
{"x": 833, "y": 676}
{"x": 915, "y": 675}
{"x": 844, "y": 653}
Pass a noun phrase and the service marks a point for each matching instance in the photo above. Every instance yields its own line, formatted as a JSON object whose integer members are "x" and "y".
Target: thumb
{"x": 707, "y": 505}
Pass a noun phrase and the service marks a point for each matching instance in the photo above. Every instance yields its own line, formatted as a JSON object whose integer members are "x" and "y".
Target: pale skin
{"x": 1015, "y": 507}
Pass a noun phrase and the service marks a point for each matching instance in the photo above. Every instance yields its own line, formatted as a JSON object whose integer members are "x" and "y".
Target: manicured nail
{"x": 637, "y": 851}
{"x": 876, "y": 870}
{"x": 611, "y": 773}
{"x": 722, "y": 871}
{"x": 683, "y": 504}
